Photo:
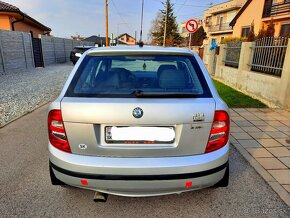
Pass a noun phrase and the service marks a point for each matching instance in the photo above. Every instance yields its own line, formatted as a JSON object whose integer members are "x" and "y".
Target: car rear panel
{"x": 140, "y": 176}
{"x": 85, "y": 120}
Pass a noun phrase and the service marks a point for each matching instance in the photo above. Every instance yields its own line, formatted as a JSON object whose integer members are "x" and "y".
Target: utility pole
{"x": 165, "y": 25}
{"x": 107, "y": 24}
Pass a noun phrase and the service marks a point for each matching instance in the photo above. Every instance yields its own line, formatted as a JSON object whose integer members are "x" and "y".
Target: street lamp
{"x": 118, "y": 24}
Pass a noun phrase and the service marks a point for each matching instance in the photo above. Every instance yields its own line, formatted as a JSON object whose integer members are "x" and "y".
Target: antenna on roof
{"x": 141, "y": 29}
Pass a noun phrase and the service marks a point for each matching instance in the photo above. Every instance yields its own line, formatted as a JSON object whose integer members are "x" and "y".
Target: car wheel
{"x": 224, "y": 182}
{"x": 53, "y": 179}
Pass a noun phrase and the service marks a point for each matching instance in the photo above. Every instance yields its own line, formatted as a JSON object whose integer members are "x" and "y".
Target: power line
{"x": 197, "y": 6}
{"x": 180, "y": 6}
{"x": 187, "y": 5}
{"x": 123, "y": 20}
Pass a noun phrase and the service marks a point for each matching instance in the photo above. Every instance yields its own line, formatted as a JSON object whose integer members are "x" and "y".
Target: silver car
{"x": 139, "y": 121}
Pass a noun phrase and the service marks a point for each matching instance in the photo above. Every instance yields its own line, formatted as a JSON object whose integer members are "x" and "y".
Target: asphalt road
{"x": 25, "y": 188}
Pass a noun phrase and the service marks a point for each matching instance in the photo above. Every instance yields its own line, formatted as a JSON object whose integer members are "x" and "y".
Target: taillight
{"x": 56, "y": 132}
{"x": 219, "y": 134}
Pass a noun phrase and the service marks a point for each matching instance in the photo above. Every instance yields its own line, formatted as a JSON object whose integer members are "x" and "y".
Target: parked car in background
{"x": 139, "y": 121}
{"x": 77, "y": 52}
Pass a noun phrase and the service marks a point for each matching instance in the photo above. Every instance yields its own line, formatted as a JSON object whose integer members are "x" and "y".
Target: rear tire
{"x": 224, "y": 182}
{"x": 53, "y": 179}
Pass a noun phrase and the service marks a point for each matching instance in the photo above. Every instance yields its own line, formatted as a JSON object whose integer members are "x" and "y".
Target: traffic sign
{"x": 191, "y": 25}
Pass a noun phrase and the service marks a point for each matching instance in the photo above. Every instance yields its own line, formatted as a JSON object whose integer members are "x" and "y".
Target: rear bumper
{"x": 140, "y": 176}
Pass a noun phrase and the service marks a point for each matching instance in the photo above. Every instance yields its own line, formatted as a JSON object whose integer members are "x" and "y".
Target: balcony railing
{"x": 220, "y": 27}
{"x": 276, "y": 9}
{"x": 280, "y": 8}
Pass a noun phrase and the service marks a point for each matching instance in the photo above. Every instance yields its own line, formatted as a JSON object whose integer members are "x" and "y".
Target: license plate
{"x": 139, "y": 135}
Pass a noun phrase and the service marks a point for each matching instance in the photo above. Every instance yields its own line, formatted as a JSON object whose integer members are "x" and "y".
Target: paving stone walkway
{"x": 263, "y": 137}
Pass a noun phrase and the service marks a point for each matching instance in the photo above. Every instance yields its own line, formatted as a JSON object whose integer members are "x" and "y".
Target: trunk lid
{"x": 85, "y": 120}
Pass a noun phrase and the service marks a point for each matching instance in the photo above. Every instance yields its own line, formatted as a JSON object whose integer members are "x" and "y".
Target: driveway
{"x": 26, "y": 190}
{"x": 22, "y": 92}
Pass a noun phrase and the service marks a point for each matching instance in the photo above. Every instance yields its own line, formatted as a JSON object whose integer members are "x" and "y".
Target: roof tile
{"x": 7, "y": 7}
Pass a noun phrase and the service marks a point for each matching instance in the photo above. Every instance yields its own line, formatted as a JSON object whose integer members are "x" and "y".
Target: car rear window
{"x": 139, "y": 76}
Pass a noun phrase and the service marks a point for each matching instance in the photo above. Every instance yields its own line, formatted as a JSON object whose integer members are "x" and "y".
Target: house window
{"x": 245, "y": 31}
{"x": 208, "y": 21}
{"x": 183, "y": 30}
{"x": 285, "y": 30}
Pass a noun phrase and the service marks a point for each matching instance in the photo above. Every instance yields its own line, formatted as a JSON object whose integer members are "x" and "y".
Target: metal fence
{"x": 233, "y": 50}
{"x": 269, "y": 55}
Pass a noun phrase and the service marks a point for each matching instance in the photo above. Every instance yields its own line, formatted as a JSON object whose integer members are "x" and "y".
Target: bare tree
{"x": 155, "y": 26}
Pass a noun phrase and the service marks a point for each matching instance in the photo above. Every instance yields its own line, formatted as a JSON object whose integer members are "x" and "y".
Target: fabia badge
{"x": 198, "y": 117}
{"x": 137, "y": 112}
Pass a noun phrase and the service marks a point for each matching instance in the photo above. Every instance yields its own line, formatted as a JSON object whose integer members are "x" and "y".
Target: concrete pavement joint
{"x": 279, "y": 189}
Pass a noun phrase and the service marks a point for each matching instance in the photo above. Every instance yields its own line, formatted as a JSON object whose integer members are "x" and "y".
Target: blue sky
{"x": 87, "y": 17}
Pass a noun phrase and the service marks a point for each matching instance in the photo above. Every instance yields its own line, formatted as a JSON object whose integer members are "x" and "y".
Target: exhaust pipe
{"x": 100, "y": 197}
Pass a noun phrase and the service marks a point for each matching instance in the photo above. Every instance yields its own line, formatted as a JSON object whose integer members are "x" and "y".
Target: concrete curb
{"x": 279, "y": 189}
{"x": 27, "y": 112}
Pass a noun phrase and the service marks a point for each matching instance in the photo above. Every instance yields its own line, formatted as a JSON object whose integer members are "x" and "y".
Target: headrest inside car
{"x": 172, "y": 79}
{"x": 165, "y": 67}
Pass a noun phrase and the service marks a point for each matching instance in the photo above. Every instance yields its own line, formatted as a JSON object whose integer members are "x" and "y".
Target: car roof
{"x": 138, "y": 50}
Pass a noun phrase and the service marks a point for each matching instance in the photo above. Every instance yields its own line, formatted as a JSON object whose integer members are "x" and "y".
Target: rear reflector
{"x": 84, "y": 182}
{"x": 56, "y": 132}
{"x": 219, "y": 134}
{"x": 188, "y": 184}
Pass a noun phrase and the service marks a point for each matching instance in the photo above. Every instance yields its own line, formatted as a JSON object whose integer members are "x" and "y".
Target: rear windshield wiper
{"x": 138, "y": 92}
{"x": 142, "y": 94}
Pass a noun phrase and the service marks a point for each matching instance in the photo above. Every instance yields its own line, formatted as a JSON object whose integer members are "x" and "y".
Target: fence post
{"x": 55, "y": 60}
{"x": 210, "y": 59}
{"x": 32, "y": 53}
{"x": 285, "y": 80}
{"x": 44, "y": 40}
{"x": 64, "y": 50}
{"x": 1, "y": 51}
{"x": 245, "y": 61}
{"x": 220, "y": 60}
{"x": 246, "y": 56}
{"x": 24, "y": 49}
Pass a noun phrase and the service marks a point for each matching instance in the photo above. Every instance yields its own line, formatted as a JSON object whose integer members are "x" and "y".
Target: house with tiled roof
{"x": 13, "y": 19}
{"x": 217, "y": 20}
{"x": 259, "y": 14}
{"x": 126, "y": 39}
